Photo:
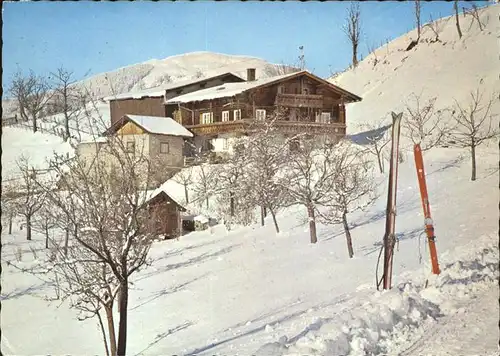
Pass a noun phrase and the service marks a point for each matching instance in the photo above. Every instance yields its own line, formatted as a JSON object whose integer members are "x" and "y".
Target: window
{"x": 225, "y": 116}
{"x": 281, "y": 89}
{"x": 164, "y": 147}
{"x": 260, "y": 114}
{"x": 131, "y": 147}
{"x": 207, "y": 118}
{"x": 324, "y": 118}
{"x": 225, "y": 144}
{"x": 305, "y": 91}
{"x": 237, "y": 114}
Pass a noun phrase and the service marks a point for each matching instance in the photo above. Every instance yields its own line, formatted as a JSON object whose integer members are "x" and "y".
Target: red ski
{"x": 429, "y": 225}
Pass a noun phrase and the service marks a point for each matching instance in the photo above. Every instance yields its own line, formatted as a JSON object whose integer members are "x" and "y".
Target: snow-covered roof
{"x": 232, "y": 89}
{"x": 160, "y": 125}
{"x": 226, "y": 90}
{"x": 160, "y": 90}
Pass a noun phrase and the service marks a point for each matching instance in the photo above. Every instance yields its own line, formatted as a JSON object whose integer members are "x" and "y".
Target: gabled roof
{"x": 159, "y": 195}
{"x": 232, "y": 89}
{"x": 152, "y": 124}
{"x": 159, "y": 91}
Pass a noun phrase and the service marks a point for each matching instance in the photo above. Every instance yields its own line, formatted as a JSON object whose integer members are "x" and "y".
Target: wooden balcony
{"x": 299, "y": 101}
{"x": 287, "y": 127}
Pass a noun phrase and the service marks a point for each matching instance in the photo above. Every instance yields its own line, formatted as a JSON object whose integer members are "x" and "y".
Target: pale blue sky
{"x": 93, "y": 37}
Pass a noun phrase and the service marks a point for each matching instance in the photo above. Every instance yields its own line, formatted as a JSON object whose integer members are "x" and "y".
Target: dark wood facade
{"x": 155, "y": 105}
{"x": 148, "y": 106}
{"x": 165, "y": 215}
{"x": 299, "y": 104}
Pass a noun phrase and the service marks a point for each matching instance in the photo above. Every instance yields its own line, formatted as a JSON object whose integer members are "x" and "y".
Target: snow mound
{"x": 389, "y": 320}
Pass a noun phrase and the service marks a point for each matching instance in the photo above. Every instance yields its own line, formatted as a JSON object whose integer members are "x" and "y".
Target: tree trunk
{"x": 457, "y": 21}
{"x": 186, "y": 194}
{"x": 354, "y": 55}
{"x": 380, "y": 164}
{"x": 312, "y": 224}
{"x": 347, "y": 234}
{"x": 35, "y": 127}
{"x": 473, "y": 154}
{"x": 103, "y": 332}
{"x": 122, "y": 328}
{"x": 28, "y": 227}
{"x": 66, "y": 241}
{"x": 417, "y": 15}
{"x": 231, "y": 203}
{"x": 66, "y": 124}
{"x": 262, "y": 215}
{"x": 207, "y": 202}
{"x": 275, "y": 221}
{"x": 46, "y": 236}
{"x": 111, "y": 328}
{"x": 10, "y": 224}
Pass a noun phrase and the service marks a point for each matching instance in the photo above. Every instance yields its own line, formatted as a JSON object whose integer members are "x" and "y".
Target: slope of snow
{"x": 448, "y": 69}
{"x": 36, "y": 147}
{"x": 217, "y": 293}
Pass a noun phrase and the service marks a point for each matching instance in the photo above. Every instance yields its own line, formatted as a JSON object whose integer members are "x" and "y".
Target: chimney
{"x": 250, "y": 74}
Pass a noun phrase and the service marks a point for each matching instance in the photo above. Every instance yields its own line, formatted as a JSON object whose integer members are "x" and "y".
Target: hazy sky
{"x": 93, "y": 37}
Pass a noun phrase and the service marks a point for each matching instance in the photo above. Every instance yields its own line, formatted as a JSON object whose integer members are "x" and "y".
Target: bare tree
{"x": 417, "y": 18}
{"x": 232, "y": 194}
{"x": 205, "y": 184}
{"x": 352, "y": 29}
{"x": 310, "y": 179}
{"x": 375, "y": 139}
{"x": 30, "y": 197}
{"x": 354, "y": 188}
{"x": 67, "y": 98}
{"x": 473, "y": 124}
{"x": 266, "y": 154}
{"x": 9, "y": 205}
{"x": 106, "y": 202}
{"x": 424, "y": 124}
{"x": 474, "y": 12}
{"x": 457, "y": 18}
{"x": 436, "y": 27}
{"x": 31, "y": 93}
{"x": 185, "y": 178}
{"x": 44, "y": 221}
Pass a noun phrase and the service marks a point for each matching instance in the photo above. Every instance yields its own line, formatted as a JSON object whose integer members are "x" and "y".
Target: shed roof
{"x": 232, "y": 89}
{"x": 159, "y": 195}
{"x": 153, "y": 125}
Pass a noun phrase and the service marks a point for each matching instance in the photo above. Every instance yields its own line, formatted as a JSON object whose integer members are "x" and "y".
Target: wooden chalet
{"x": 305, "y": 103}
{"x": 151, "y": 102}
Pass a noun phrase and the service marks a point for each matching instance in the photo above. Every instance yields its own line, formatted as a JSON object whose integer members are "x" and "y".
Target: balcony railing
{"x": 248, "y": 125}
{"x": 299, "y": 101}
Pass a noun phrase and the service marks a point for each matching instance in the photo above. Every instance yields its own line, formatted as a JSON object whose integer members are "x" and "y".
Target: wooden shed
{"x": 165, "y": 215}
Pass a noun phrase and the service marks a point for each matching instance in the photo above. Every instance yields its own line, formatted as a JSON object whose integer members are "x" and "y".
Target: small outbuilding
{"x": 165, "y": 215}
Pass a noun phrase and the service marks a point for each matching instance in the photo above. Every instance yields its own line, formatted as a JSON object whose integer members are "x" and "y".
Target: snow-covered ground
{"x": 218, "y": 292}
{"x": 250, "y": 291}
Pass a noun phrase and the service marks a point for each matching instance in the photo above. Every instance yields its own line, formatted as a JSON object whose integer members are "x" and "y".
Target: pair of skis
{"x": 389, "y": 236}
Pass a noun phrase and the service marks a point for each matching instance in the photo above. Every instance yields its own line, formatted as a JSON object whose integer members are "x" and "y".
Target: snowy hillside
{"x": 447, "y": 69}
